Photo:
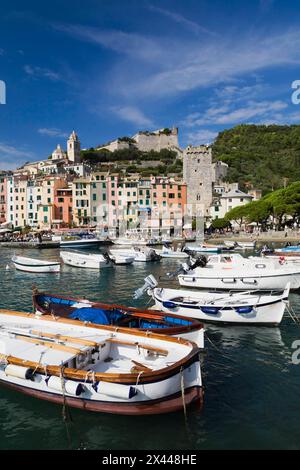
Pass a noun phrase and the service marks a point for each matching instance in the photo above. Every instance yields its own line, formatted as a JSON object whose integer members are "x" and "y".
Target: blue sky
{"x": 108, "y": 68}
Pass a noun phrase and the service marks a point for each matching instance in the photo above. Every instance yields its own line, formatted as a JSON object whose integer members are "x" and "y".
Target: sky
{"x": 109, "y": 68}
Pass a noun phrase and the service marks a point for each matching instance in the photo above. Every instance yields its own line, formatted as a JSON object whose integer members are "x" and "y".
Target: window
{"x": 103, "y": 197}
{"x": 217, "y": 208}
{"x": 242, "y": 199}
{"x": 45, "y": 209}
{"x": 45, "y": 219}
{"x": 60, "y": 199}
{"x": 229, "y": 200}
{"x": 179, "y": 195}
{"x": 172, "y": 196}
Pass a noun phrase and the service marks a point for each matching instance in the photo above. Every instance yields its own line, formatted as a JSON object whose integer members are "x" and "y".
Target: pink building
{"x": 3, "y": 200}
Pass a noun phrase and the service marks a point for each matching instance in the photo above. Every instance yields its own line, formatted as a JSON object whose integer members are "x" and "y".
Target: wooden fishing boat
{"x": 118, "y": 315}
{"x": 97, "y": 368}
{"x": 35, "y": 265}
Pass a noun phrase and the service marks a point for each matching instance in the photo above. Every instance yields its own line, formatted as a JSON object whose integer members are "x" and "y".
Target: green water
{"x": 251, "y": 385}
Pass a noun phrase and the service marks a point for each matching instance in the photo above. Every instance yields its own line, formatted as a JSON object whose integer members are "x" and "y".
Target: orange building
{"x": 63, "y": 207}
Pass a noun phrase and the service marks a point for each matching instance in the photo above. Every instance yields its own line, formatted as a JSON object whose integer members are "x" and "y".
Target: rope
{"x": 138, "y": 377}
{"x": 182, "y": 393}
{"x": 65, "y": 411}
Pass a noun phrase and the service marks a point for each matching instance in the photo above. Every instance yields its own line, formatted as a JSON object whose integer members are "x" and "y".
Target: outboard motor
{"x": 150, "y": 283}
{"x": 200, "y": 262}
{"x": 266, "y": 250}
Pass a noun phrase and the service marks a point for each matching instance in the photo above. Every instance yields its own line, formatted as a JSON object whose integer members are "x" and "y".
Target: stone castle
{"x": 146, "y": 141}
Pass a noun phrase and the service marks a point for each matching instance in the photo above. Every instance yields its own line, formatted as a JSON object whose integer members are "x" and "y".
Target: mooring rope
{"x": 65, "y": 412}
{"x": 182, "y": 393}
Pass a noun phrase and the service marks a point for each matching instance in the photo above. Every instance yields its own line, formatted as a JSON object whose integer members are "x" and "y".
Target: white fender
{"x": 71, "y": 387}
{"x": 115, "y": 390}
{"x": 18, "y": 371}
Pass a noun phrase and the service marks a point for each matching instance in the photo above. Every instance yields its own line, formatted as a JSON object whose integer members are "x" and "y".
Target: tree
{"x": 237, "y": 214}
{"x": 220, "y": 224}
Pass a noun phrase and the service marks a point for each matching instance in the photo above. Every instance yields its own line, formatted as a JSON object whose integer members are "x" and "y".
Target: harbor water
{"x": 251, "y": 385}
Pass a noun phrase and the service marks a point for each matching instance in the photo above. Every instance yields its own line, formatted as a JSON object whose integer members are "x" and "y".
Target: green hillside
{"x": 133, "y": 160}
{"x": 267, "y": 157}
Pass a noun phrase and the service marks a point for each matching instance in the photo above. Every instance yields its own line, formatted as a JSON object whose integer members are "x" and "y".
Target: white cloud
{"x": 133, "y": 115}
{"x": 223, "y": 115}
{"x": 201, "y": 136}
{"x": 52, "y": 132}
{"x": 133, "y": 45}
{"x": 190, "y": 25}
{"x": 11, "y": 157}
{"x": 39, "y": 72}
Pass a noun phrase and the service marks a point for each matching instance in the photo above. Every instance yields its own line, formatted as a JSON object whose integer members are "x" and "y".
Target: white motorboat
{"x": 97, "y": 367}
{"x": 245, "y": 307}
{"x": 140, "y": 255}
{"x": 203, "y": 248}
{"x": 234, "y": 272}
{"x": 85, "y": 260}
{"x": 246, "y": 245}
{"x": 170, "y": 252}
{"x": 35, "y": 265}
{"x": 121, "y": 259}
{"x": 77, "y": 241}
{"x": 129, "y": 241}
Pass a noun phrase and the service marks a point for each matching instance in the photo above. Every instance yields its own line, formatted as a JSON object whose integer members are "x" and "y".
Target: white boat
{"x": 246, "y": 245}
{"x": 169, "y": 252}
{"x": 140, "y": 255}
{"x": 77, "y": 241}
{"x": 129, "y": 241}
{"x": 35, "y": 265}
{"x": 203, "y": 248}
{"x": 120, "y": 259}
{"x": 97, "y": 368}
{"x": 245, "y": 307}
{"x": 85, "y": 260}
{"x": 234, "y": 272}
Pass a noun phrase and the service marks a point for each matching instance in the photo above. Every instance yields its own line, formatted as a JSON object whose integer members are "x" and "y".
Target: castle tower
{"x": 74, "y": 148}
{"x": 198, "y": 175}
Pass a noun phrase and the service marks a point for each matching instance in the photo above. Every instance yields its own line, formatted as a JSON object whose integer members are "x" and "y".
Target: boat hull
{"x": 240, "y": 282}
{"x": 54, "y": 268}
{"x": 267, "y": 314}
{"x": 84, "y": 261}
{"x": 170, "y": 404}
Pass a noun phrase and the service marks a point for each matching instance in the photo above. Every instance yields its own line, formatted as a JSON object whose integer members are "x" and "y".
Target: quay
{"x": 19, "y": 244}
